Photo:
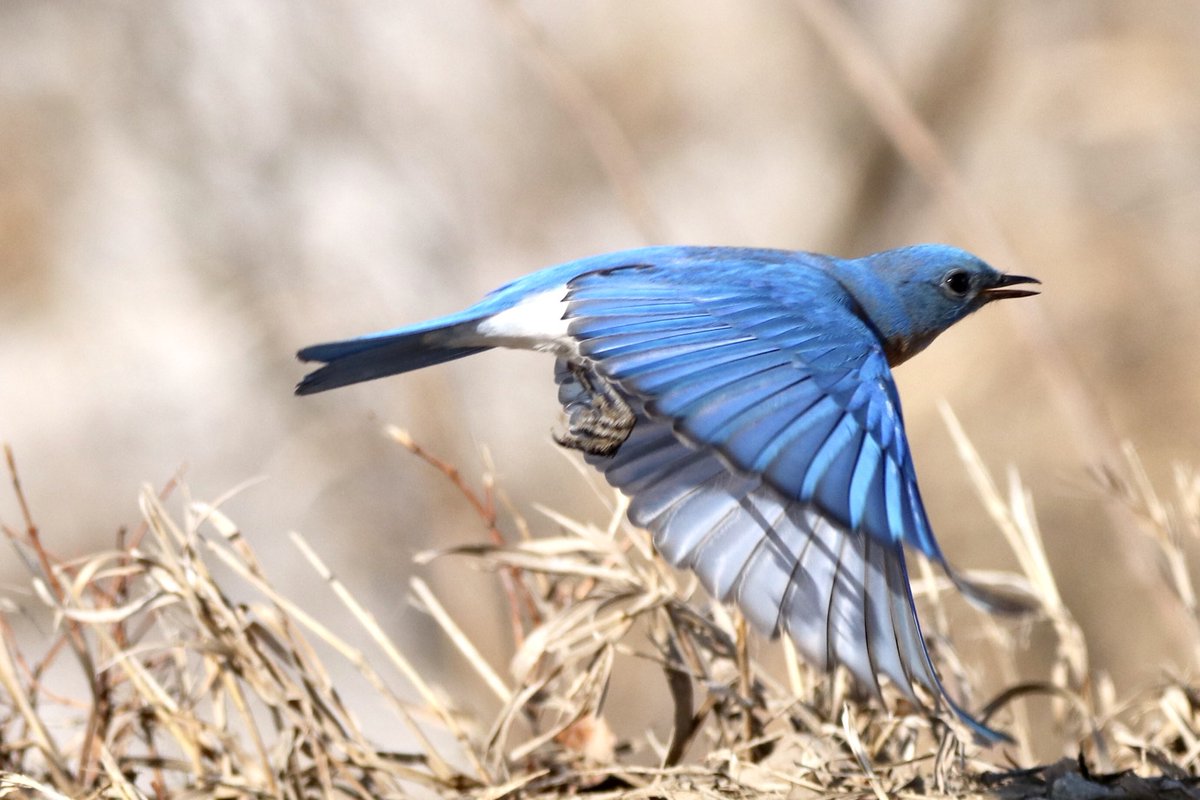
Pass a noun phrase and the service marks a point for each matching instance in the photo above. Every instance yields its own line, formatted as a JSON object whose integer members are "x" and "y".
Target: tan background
{"x": 191, "y": 191}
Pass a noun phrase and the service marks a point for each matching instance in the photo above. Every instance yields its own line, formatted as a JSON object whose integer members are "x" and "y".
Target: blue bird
{"x": 743, "y": 399}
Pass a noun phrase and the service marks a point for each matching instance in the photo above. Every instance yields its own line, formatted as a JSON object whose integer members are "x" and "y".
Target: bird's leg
{"x": 599, "y": 421}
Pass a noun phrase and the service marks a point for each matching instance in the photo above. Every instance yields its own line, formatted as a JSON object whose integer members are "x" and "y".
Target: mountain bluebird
{"x": 743, "y": 399}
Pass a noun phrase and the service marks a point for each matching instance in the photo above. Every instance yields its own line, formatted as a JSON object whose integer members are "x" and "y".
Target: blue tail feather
{"x": 368, "y": 357}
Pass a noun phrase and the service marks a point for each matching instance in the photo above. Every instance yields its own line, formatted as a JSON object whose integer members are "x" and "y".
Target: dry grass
{"x": 200, "y": 679}
{"x": 190, "y": 693}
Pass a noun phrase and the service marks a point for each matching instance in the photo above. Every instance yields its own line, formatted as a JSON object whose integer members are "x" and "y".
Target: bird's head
{"x": 914, "y": 293}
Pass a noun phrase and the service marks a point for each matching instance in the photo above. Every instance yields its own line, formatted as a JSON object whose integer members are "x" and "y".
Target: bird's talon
{"x": 599, "y": 421}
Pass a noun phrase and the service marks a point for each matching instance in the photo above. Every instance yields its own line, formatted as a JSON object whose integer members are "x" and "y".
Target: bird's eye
{"x": 957, "y": 282}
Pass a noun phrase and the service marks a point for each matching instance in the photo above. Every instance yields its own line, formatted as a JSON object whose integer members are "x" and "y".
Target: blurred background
{"x": 189, "y": 192}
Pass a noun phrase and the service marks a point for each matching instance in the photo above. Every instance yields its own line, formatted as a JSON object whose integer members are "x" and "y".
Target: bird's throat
{"x": 901, "y": 348}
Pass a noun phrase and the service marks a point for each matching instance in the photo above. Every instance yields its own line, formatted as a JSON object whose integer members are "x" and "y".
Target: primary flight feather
{"x": 743, "y": 399}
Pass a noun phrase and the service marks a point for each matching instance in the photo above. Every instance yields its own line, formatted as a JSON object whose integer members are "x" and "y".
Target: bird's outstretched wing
{"x": 769, "y": 456}
{"x": 797, "y": 392}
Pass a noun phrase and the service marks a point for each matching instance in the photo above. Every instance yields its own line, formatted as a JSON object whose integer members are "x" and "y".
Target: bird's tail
{"x": 388, "y": 353}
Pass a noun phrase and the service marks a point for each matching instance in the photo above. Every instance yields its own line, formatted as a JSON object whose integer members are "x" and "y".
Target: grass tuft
{"x": 187, "y": 692}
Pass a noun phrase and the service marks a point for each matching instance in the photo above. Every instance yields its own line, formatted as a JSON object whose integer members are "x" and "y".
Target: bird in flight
{"x": 743, "y": 400}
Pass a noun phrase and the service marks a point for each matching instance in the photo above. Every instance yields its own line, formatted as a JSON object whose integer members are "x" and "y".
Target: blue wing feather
{"x": 653, "y": 468}
{"x": 793, "y": 451}
{"x": 753, "y": 431}
{"x": 687, "y": 395}
{"x": 865, "y": 485}
{"x": 739, "y": 361}
{"x": 832, "y": 487}
{"x": 675, "y": 322}
{"x": 683, "y": 366}
{"x": 668, "y": 346}
{"x": 822, "y": 465}
{"x": 720, "y": 412}
{"x": 636, "y": 308}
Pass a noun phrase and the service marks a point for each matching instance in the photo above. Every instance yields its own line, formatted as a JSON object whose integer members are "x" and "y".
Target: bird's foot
{"x": 599, "y": 421}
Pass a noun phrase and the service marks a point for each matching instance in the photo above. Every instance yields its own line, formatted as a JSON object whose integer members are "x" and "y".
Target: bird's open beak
{"x": 1000, "y": 291}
